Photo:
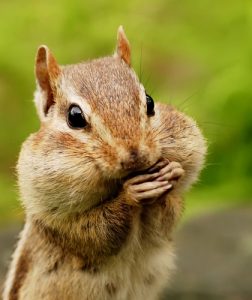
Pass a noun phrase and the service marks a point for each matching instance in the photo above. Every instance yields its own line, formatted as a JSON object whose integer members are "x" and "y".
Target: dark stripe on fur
{"x": 20, "y": 275}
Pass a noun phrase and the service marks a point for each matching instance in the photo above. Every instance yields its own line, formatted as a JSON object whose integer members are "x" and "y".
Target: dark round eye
{"x": 75, "y": 117}
{"x": 150, "y": 105}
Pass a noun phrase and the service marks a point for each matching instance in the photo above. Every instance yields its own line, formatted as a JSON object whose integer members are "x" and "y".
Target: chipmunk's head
{"x": 95, "y": 127}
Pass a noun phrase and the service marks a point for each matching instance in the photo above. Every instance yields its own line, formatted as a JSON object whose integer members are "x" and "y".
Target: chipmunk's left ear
{"x": 123, "y": 46}
{"x": 47, "y": 71}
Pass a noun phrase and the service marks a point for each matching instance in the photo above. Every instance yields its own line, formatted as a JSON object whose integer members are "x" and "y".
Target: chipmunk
{"x": 101, "y": 182}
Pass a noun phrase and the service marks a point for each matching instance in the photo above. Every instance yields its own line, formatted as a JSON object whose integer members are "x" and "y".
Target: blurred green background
{"x": 194, "y": 54}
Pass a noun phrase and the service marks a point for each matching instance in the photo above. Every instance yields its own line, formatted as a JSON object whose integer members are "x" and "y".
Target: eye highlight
{"x": 75, "y": 117}
{"x": 150, "y": 105}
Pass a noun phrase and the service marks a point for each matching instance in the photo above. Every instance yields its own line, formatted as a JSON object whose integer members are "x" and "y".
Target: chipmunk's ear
{"x": 123, "y": 46}
{"x": 47, "y": 72}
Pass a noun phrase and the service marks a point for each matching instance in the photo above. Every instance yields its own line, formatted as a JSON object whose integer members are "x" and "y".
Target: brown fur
{"x": 21, "y": 272}
{"x": 90, "y": 85}
{"x": 46, "y": 71}
{"x": 111, "y": 289}
{"x": 91, "y": 236}
{"x": 94, "y": 236}
{"x": 123, "y": 47}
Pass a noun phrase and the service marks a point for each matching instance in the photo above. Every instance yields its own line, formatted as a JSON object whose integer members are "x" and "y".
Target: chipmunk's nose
{"x": 133, "y": 162}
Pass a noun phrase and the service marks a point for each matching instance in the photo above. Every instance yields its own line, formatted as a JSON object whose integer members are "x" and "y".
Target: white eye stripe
{"x": 73, "y": 98}
{"x": 142, "y": 94}
{"x": 142, "y": 112}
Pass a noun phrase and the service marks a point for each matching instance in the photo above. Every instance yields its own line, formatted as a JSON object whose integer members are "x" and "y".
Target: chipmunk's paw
{"x": 145, "y": 189}
{"x": 172, "y": 172}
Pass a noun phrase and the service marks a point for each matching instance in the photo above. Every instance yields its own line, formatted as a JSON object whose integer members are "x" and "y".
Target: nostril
{"x": 133, "y": 154}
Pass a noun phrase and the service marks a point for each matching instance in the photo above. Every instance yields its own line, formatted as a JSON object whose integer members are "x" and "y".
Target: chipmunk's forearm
{"x": 94, "y": 235}
{"x": 159, "y": 218}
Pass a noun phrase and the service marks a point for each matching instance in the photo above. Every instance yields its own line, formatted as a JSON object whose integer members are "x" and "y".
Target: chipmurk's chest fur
{"x": 140, "y": 271}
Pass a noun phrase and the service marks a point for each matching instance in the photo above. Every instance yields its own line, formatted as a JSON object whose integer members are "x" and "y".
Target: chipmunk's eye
{"x": 150, "y": 105}
{"x": 75, "y": 117}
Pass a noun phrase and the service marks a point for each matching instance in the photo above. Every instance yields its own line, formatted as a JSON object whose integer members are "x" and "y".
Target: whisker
{"x": 180, "y": 105}
{"x": 146, "y": 84}
{"x": 140, "y": 65}
{"x": 215, "y": 124}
